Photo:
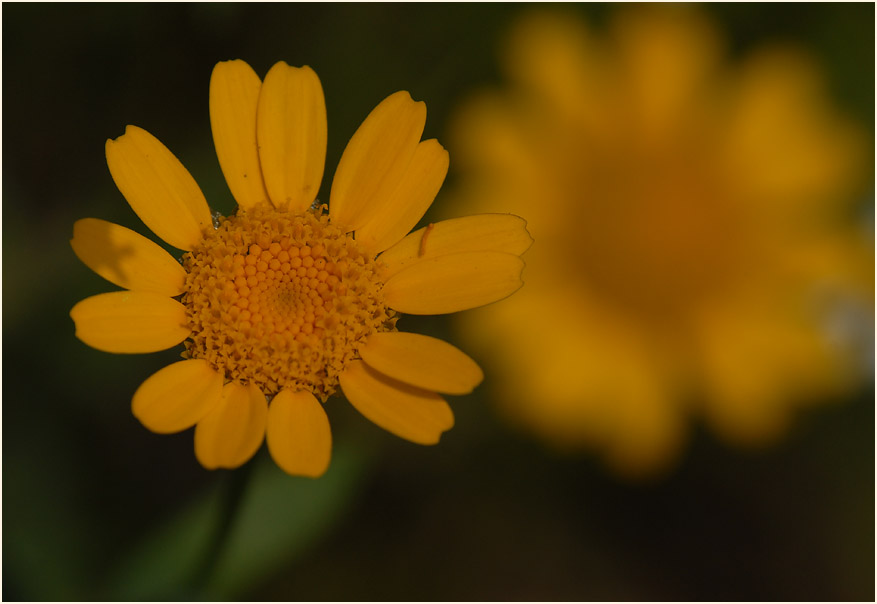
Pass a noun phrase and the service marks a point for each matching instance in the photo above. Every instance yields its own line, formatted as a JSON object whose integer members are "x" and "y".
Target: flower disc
{"x": 282, "y": 300}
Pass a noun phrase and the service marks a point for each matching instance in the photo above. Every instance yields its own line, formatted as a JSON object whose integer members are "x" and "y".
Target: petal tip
{"x": 311, "y": 474}
{"x": 527, "y": 233}
{"x": 132, "y": 129}
{"x": 405, "y": 97}
{"x": 129, "y": 129}
{"x": 228, "y": 62}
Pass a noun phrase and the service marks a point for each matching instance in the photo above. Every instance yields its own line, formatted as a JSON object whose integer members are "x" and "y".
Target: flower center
{"x": 658, "y": 235}
{"x": 282, "y": 300}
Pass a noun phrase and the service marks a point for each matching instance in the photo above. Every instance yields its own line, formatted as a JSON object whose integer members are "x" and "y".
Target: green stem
{"x": 232, "y": 496}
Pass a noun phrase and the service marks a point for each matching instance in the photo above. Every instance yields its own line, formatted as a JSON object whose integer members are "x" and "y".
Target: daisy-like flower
{"x": 697, "y": 232}
{"x": 282, "y": 302}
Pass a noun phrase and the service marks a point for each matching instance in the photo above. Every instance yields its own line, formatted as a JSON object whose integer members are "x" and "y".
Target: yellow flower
{"x": 695, "y": 226}
{"x": 282, "y": 301}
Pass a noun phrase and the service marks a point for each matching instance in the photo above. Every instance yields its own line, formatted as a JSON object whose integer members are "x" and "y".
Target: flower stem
{"x": 231, "y": 496}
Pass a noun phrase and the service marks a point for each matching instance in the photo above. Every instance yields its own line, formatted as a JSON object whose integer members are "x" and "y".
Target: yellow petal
{"x": 394, "y": 217}
{"x": 177, "y": 397}
{"x": 232, "y": 432}
{"x": 480, "y": 233}
{"x": 299, "y": 438}
{"x": 158, "y": 188}
{"x": 130, "y": 322}
{"x": 422, "y": 361}
{"x": 375, "y": 160}
{"x": 411, "y": 413}
{"x": 234, "y": 97}
{"x": 454, "y": 282}
{"x": 291, "y": 129}
{"x": 126, "y": 258}
{"x": 666, "y": 60}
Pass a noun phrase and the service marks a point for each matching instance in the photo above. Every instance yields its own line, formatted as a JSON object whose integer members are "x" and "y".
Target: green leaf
{"x": 279, "y": 518}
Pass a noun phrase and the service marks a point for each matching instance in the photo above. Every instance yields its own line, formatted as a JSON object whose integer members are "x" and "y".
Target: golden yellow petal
{"x": 785, "y": 149}
{"x": 291, "y": 130}
{"x": 299, "y": 437}
{"x": 177, "y": 397}
{"x": 595, "y": 384}
{"x": 760, "y": 355}
{"x": 422, "y": 361}
{"x": 411, "y": 413}
{"x": 394, "y": 217}
{"x": 130, "y": 322}
{"x": 375, "y": 160}
{"x": 158, "y": 188}
{"x": 454, "y": 282}
{"x": 667, "y": 57}
{"x": 126, "y": 258}
{"x": 234, "y": 98}
{"x": 554, "y": 54}
{"x": 480, "y": 233}
{"x": 232, "y": 432}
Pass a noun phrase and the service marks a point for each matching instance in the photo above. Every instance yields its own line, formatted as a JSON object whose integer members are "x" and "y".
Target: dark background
{"x": 97, "y": 507}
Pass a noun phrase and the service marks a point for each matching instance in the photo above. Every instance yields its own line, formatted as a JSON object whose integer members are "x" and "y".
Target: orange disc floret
{"x": 282, "y": 300}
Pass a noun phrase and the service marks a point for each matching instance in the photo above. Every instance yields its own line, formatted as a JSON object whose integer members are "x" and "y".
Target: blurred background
{"x": 95, "y": 507}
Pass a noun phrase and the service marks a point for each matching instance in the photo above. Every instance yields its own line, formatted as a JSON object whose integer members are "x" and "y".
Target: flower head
{"x": 286, "y": 300}
{"x": 695, "y": 226}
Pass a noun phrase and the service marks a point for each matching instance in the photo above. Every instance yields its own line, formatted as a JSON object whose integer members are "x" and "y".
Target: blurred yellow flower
{"x": 282, "y": 301}
{"x": 695, "y": 229}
